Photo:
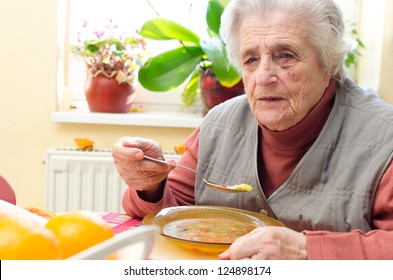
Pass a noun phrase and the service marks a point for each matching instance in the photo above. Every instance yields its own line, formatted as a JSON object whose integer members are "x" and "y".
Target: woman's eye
{"x": 250, "y": 60}
{"x": 286, "y": 55}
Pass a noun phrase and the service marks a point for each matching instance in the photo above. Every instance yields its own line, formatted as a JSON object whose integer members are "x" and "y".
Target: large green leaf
{"x": 165, "y": 29}
{"x": 213, "y": 16}
{"x": 170, "y": 69}
{"x": 215, "y": 50}
{"x": 190, "y": 92}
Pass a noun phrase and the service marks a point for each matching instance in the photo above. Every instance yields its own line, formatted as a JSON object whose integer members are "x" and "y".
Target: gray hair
{"x": 322, "y": 20}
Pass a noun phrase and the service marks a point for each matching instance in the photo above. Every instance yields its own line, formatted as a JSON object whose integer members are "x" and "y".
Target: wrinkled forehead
{"x": 279, "y": 25}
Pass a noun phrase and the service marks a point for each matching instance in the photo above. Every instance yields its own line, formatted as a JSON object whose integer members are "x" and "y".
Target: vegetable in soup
{"x": 208, "y": 230}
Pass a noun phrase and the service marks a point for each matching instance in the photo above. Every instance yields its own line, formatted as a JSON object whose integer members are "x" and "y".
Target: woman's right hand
{"x": 140, "y": 174}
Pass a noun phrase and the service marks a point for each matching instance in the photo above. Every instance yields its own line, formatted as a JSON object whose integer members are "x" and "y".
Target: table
{"x": 166, "y": 250}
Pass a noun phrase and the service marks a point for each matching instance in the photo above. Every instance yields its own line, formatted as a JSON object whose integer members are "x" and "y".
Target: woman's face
{"x": 282, "y": 75}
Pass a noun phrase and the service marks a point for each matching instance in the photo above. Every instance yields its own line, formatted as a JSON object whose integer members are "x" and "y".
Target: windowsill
{"x": 155, "y": 119}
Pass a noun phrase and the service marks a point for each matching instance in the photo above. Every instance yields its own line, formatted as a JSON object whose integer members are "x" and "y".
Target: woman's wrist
{"x": 153, "y": 195}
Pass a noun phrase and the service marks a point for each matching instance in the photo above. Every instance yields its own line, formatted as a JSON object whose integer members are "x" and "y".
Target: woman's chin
{"x": 273, "y": 123}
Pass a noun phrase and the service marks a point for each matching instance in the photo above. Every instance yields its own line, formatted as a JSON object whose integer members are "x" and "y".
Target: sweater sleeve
{"x": 178, "y": 189}
{"x": 376, "y": 244}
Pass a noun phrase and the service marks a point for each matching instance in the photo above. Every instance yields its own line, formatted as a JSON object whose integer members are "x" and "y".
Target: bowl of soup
{"x": 208, "y": 229}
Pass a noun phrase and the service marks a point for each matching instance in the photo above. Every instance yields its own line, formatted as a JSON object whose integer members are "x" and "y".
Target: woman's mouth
{"x": 271, "y": 98}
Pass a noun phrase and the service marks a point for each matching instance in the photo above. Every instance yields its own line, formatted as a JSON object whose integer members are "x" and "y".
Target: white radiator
{"x": 84, "y": 180}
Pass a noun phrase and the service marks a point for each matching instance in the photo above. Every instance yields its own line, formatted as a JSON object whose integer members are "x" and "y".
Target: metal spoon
{"x": 225, "y": 188}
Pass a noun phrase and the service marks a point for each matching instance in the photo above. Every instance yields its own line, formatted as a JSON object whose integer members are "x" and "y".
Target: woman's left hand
{"x": 268, "y": 243}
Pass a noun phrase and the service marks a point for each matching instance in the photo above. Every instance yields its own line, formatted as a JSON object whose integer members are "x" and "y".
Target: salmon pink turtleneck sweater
{"x": 279, "y": 153}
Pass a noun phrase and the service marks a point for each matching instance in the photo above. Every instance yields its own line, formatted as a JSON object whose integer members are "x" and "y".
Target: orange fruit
{"x": 26, "y": 241}
{"x": 79, "y": 230}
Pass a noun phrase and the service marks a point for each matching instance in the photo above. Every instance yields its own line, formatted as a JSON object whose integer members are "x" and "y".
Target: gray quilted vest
{"x": 332, "y": 187}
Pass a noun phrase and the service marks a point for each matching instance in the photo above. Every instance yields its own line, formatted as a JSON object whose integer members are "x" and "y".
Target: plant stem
{"x": 151, "y": 6}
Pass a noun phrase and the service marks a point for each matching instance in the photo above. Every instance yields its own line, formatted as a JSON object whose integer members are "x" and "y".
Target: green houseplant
{"x": 196, "y": 61}
{"x": 112, "y": 60}
{"x": 352, "y": 32}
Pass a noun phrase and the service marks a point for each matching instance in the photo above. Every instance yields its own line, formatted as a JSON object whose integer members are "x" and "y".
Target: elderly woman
{"x": 316, "y": 148}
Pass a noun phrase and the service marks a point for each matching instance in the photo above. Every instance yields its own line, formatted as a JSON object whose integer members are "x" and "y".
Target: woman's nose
{"x": 266, "y": 72}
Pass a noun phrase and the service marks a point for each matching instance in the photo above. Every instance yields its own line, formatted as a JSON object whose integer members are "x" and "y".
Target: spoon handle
{"x": 236, "y": 188}
{"x": 169, "y": 163}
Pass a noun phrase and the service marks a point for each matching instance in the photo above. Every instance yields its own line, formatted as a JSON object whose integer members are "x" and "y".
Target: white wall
{"x": 369, "y": 16}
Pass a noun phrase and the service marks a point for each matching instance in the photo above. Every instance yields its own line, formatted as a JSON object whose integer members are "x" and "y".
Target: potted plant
{"x": 112, "y": 60}
{"x": 200, "y": 62}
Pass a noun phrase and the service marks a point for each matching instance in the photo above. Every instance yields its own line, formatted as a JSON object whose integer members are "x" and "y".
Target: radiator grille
{"x": 83, "y": 180}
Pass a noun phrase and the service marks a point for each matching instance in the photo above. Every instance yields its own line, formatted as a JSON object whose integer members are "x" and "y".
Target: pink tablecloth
{"x": 120, "y": 222}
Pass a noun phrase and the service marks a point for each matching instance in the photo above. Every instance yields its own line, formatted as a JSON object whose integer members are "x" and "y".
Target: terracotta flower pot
{"x": 213, "y": 93}
{"x": 106, "y": 95}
